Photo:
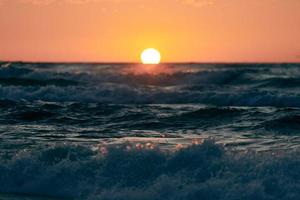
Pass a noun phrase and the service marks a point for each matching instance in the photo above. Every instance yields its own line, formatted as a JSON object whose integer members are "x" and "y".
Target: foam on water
{"x": 204, "y": 171}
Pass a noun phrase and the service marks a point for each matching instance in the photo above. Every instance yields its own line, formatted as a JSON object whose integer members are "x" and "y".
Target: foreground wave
{"x": 206, "y": 171}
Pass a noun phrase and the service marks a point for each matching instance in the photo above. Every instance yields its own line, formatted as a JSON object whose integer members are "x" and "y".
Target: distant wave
{"x": 281, "y": 82}
{"x": 34, "y": 82}
{"x": 206, "y": 171}
{"x": 212, "y": 112}
{"x": 221, "y": 85}
{"x": 122, "y": 94}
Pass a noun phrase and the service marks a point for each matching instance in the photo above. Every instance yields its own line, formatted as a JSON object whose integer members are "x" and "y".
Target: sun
{"x": 150, "y": 56}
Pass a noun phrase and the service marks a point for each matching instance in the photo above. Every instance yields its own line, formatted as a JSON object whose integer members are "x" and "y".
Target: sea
{"x": 173, "y": 131}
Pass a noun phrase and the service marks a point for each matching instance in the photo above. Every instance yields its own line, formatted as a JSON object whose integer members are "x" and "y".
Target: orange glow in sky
{"x": 119, "y": 30}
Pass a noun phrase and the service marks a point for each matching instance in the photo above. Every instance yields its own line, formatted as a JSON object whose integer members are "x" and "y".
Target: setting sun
{"x": 150, "y": 56}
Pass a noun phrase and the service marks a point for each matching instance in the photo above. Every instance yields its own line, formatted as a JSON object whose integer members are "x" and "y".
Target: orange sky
{"x": 118, "y": 30}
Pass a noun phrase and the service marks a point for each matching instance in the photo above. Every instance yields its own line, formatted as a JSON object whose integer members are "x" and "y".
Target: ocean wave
{"x": 282, "y": 82}
{"x": 101, "y": 120}
{"x": 171, "y": 75}
{"x": 220, "y": 85}
{"x": 210, "y": 112}
{"x": 9, "y": 70}
{"x": 289, "y": 124}
{"x": 206, "y": 171}
{"x": 53, "y": 117}
{"x": 34, "y": 82}
{"x": 123, "y": 94}
{"x": 33, "y": 115}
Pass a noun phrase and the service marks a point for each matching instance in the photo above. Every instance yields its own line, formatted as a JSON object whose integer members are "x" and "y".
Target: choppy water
{"x": 68, "y": 123}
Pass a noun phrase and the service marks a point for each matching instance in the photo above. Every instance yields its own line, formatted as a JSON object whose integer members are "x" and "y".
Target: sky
{"x": 118, "y": 30}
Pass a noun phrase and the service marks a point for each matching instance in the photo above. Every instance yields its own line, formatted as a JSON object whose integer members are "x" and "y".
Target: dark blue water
{"x": 171, "y": 131}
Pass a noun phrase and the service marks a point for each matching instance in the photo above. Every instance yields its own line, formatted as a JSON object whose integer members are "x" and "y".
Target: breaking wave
{"x": 206, "y": 171}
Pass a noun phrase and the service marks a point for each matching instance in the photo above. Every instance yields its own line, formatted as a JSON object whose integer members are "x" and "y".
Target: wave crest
{"x": 206, "y": 171}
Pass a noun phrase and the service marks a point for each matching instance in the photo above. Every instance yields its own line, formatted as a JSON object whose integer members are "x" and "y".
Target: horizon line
{"x": 136, "y": 63}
